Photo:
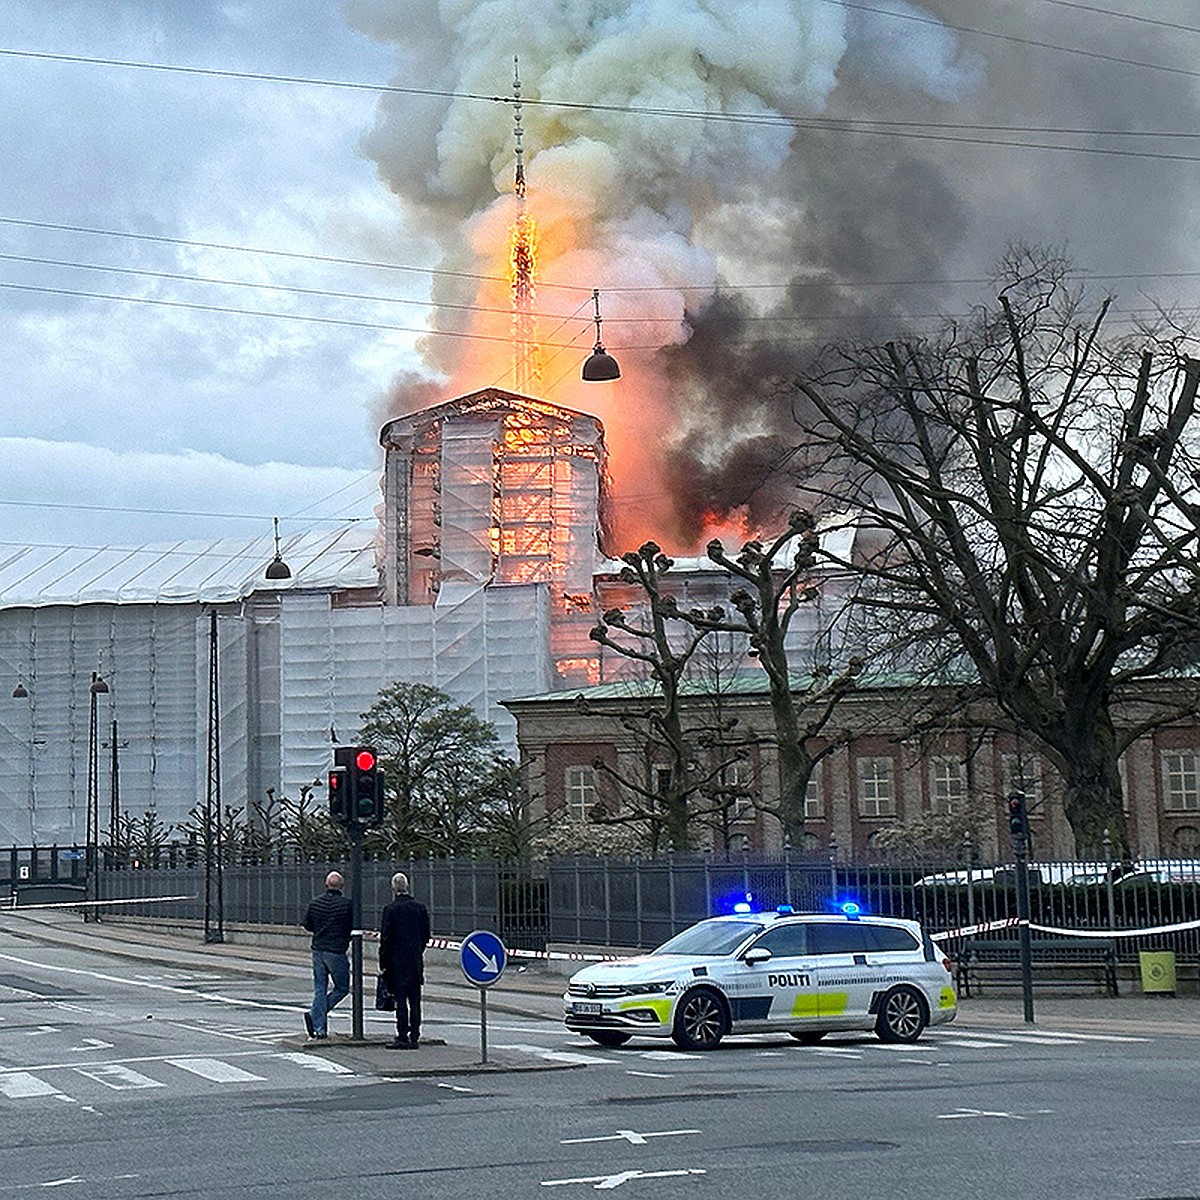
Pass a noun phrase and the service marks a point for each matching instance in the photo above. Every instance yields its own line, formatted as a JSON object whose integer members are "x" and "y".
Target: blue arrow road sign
{"x": 483, "y": 957}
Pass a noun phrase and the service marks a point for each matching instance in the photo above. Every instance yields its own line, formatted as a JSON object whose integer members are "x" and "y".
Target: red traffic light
{"x": 364, "y": 760}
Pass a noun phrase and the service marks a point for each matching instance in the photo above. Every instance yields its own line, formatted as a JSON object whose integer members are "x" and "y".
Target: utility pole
{"x": 1018, "y": 828}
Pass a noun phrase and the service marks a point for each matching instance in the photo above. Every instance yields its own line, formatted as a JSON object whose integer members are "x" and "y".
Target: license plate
{"x": 586, "y": 1009}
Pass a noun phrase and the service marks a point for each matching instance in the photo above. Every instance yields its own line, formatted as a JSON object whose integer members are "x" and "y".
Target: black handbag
{"x": 384, "y": 1000}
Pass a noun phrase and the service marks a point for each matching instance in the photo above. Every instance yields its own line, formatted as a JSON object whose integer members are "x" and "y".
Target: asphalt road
{"x": 120, "y": 1079}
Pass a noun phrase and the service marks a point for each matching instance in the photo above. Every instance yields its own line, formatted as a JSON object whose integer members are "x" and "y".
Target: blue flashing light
{"x": 851, "y": 909}
{"x": 785, "y": 909}
{"x": 742, "y": 907}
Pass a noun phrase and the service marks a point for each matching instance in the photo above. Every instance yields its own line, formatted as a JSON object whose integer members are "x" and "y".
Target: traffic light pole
{"x": 1018, "y": 823}
{"x": 355, "y": 833}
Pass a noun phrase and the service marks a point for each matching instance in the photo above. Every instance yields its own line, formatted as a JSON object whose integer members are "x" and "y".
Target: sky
{"x": 178, "y": 366}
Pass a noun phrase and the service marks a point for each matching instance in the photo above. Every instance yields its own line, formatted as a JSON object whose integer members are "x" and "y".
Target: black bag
{"x": 384, "y": 1000}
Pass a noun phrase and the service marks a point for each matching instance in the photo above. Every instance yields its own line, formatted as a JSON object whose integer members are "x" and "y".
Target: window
{"x": 840, "y": 939}
{"x": 876, "y": 794}
{"x": 784, "y": 941}
{"x": 1187, "y": 839}
{"x": 1181, "y": 780}
{"x": 1022, "y": 773}
{"x": 812, "y": 798}
{"x": 580, "y": 792}
{"x": 739, "y": 778}
{"x": 889, "y": 937}
{"x": 947, "y": 785}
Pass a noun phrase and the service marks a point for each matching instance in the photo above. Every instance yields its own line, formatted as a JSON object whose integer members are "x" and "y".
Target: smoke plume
{"x": 727, "y": 249}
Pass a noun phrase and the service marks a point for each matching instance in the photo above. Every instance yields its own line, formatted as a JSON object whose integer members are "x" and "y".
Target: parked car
{"x": 805, "y": 974}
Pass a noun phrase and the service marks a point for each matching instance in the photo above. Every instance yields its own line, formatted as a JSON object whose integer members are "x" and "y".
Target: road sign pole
{"x": 483, "y": 958}
{"x": 483, "y": 1025}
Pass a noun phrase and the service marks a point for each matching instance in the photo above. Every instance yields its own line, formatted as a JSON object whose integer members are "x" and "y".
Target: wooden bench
{"x": 1056, "y": 962}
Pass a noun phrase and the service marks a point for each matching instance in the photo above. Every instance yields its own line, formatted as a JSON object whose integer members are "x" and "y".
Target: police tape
{"x": 541, "y": 955}
{"x": 983, "y": 927}
{"x": 85, "y": 903}
{"x": 1106, "y": 934}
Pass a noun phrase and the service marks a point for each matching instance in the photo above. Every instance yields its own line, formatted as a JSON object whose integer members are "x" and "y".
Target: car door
{"x": 782, "y": 991}
{"x": 842, "y": 953}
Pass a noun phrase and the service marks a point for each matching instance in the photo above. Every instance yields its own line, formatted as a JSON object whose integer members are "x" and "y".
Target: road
{"x": 120, "y": 1079}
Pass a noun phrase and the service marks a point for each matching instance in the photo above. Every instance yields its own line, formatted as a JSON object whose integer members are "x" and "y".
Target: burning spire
{"x": 522, "y": 241}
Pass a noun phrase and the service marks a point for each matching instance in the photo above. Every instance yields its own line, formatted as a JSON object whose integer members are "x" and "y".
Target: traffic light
{"x": 1018, "y": 819}
{"x": 361, "y": 786}
{"x": 366, "y": 787}
{"x": 339, "y": 796}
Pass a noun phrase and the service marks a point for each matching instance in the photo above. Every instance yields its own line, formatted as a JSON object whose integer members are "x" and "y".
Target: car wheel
{"x": 808, "y": 1037}
{"x": 609, "y": 1037}
{"x": 902, "y": 1015}
{"x": 700, "y": 1021}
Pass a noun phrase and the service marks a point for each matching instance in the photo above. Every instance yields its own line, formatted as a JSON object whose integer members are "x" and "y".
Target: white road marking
{"x": 90, "y": 1045}
{"x": 556, "y": 1055}
{"x": 454, "y": 1087}
{"x": 649, "y": 1075}
{"x": 667, "y": 1055}
{"x": 20, "y": 1084}
{"x": 119, "y": 1078}
{"x": 962, "y": 1114}
{"x": 312, "y": 1063}
{"x": 976, "y": 1044}
{"x": 216, "y": 1070}
{"x": 606, "y": 1182}
{"x": 627, "y": 1135}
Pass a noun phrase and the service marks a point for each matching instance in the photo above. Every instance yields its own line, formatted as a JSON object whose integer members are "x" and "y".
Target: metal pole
{"x": 214, "y": 895}
{"x": 1021, "y": 852}
{"x": 356, "y": 937}
{"x": 483, "y": 1025}
{"x": 92, "y": 844}
{"x": 114, "y": 793}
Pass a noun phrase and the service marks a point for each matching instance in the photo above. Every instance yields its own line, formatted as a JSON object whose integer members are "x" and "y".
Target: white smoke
{"x": 657, "y": 210}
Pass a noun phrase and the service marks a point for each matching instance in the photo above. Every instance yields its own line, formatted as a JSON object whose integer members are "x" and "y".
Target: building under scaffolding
{"x": 478, "y": 581}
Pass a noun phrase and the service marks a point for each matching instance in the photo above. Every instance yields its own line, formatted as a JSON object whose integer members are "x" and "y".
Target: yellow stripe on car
{"x": 947, "y": 999}
{"x": 806, "y": 1005}
{"x": 661, "y": 1007}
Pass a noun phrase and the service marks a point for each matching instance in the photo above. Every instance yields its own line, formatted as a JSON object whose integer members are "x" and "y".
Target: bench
{"x": 1056, "y": 962}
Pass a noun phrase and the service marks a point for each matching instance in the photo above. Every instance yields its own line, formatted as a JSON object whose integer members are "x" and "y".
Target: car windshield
{"x": 710, "y": 937}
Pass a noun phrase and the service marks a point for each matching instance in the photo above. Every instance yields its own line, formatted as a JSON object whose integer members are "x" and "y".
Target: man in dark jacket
{"x": 403, "y": 936}
{"x": 329, "y": 919}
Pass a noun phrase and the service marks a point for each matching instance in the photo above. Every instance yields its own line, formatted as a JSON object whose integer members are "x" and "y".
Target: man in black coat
{"x": 403, "y": 936}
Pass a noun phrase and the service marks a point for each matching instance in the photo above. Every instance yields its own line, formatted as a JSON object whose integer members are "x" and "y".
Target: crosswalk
{"x": 939, "y": 1043}
{"x": 94, "y": 1081}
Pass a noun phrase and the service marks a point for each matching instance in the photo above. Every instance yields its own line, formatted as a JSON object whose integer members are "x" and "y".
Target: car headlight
{"x": 647, "y": 989}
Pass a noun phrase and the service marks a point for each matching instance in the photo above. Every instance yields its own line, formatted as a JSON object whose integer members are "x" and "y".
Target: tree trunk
{"x": 1093, "y": 795}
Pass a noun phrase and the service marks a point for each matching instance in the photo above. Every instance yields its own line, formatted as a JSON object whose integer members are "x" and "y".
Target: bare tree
{"x": 802, "y": 709}
{"x": 662, "y": 643}
{"x": 1022, "y": 488}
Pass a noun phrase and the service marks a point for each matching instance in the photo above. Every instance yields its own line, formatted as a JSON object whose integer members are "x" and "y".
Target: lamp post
{"x": 214, "y": 849}
{"x": 97, "y": 688}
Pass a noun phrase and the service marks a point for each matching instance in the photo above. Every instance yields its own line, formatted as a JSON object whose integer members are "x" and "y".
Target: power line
{"x": 167, "y": 512}
{"x": 1125, "y": 16}
{"x": 754, "y": 118}
{"x": 251, "y": 312}
{"x": 1013, "y": 39}
{"x": 928, "y": 281}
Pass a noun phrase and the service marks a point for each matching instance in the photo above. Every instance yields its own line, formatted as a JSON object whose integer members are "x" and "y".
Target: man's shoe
{"x": 411, "y": 1045}
{"x": 308, "y": 1025}
{"x": 399, "y": 1044}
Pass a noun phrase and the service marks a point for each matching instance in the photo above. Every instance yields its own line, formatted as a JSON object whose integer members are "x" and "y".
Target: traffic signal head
{"x": 366, "y": 787}
{"x": 339, "y": 795}
{"x": 1018, "y": 821}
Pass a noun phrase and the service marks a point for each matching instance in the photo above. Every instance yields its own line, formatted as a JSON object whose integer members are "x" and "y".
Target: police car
{"x": 806, "y": 974}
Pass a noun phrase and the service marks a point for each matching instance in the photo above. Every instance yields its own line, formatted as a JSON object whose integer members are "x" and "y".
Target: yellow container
{"x": 1158, "y": 971}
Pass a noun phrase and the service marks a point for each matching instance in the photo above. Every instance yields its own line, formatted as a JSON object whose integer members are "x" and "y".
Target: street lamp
{"x": 600, "y": 367}
{"x": 92, "y": 838}
{"x": 277, "y": 568}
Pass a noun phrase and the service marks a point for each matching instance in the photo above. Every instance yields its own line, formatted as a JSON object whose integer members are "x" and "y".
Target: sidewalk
{"x": 294, "y": 964}
{"x": 530, "y": 990}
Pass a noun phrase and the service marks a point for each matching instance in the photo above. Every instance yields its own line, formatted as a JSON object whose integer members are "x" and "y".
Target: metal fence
{"x": 638, "y": 902}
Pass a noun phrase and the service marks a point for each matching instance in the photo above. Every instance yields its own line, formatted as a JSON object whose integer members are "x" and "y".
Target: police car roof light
{"x": 851, "y": 909}
{"x": 785, "y": 909}
{"x": 742, "y": 907}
